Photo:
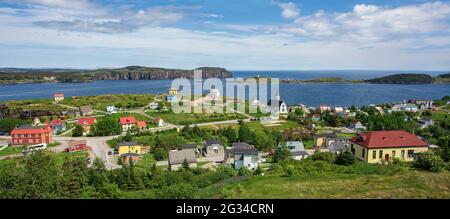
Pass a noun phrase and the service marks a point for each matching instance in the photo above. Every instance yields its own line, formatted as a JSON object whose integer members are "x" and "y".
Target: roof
{"x": 246, "y": 151}
{"x": 241, "y": 145}
{"x": 279, "y": 102}
{"x": 337, "y": 146}
{"x": 127, "y": 120}
{"x": 86, "y": 121}
{"x": 30, "y": 130}
{"x": 56, "y": 122}
{"x": 297, "y": 145}
{"x": 178, "y": 157}
{"x": 383, "y": 139}
{"x": 157, "y": 119}
{"x": 73, "y": 143}
{"x": 59, "y": 95}
{"x": 211, "y": 142}
{"x": 188, "y": 146}
{"x": 128, "y": 144}
{"x": 410, "y": 106}
{"x": 141, "y": 124}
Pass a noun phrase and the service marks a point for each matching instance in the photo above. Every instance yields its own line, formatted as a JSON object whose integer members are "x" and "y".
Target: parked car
{"x": 109, "y": 153}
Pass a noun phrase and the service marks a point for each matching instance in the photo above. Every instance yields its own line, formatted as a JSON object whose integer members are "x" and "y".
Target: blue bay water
{"x": 312, "y": 94}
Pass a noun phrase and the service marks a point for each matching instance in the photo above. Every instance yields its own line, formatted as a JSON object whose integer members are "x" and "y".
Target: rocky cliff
{"x": 127, "y": 73}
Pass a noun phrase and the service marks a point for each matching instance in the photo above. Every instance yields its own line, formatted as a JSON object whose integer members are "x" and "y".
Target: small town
{"x": 136, "y": 145}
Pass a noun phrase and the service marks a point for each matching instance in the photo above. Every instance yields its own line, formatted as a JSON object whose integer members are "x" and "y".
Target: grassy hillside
{"x": 403, "y": 79}
{"x": 410, "y": 184}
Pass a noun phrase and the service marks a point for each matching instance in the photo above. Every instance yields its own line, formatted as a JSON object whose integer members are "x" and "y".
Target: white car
{"x": 32, "y": 148}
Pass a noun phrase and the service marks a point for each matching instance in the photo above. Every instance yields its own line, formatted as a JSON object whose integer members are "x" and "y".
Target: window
{"x": 402, "y": 154}
{"x": 363, "y": 152}
{"x": 410, "y": 153}
{"x": 374, "y": 154}
{"x": 380, "y": 155}
{"x": 393, "y": 154}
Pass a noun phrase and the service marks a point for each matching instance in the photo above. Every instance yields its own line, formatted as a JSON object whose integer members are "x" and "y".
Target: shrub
{"x": 429, "y": 161}
{"x": 346, "y": 158}
{"x": 323, "y": 156}
{"x": 244, "y": 171}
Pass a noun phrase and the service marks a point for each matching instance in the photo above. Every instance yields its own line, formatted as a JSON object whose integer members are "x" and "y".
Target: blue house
{"x": 297, "y": 149}
{"x": 171, "y": 98}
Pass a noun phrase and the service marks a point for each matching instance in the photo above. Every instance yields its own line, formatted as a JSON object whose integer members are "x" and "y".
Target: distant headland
{"x": 391, "y": 79}
{"x": 18, "y": 75}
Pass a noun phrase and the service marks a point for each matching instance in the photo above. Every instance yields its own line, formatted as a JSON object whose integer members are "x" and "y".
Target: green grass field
{"x": 410, "y": 184}
{"x": 192, "y": 118}
{"x": 257, "y": 126}
{"x": 119, "y": 100}
{"x": 11, "y": 150}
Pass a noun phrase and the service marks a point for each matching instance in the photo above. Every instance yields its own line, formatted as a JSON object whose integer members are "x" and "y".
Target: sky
{"x": 235, "y": 34}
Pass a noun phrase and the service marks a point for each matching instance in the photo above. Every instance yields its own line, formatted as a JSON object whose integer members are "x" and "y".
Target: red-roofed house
{"x": 142, "y": 125}
{"x": 158, "y": 121}
{"x": 376, "y": 146}
{"x": 58, "y": 97}
{"x": 87, "y": 124}
{"x": 31, "y": 135}
{"x": 58, "y": 125}
{"x": 127, "y": 123}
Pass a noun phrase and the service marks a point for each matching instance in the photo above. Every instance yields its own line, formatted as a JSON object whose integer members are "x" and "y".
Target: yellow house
{"x": 129, "y": 148}
{"x": 378, "y": 146}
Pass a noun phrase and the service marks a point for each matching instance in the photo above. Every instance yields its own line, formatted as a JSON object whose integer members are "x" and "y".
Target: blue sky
{"x": 236, "y": 34}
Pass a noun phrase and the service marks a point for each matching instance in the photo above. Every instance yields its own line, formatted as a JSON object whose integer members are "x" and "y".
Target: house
{"x": 142, "y": 125}
{"x": 58, "y": 97}
{"x": 86, "y": 111}
{"x": 127, "y": 123}
{"x": 129, "y": 147}
{"x": 241, "y": 155}
{"x": 409, "y": 107}
{"x": 425, "y": 104}
{"x": 338, "y": 147}
{"x": 324, "y": 108}
{"x": 26, "y": 135}
{"x": 277, "y": 105}
{"x": 314, "y": 117}
{"x": 111, "y": 109}
{"x": 173, "y": 91}
{"x": 87, "y": 124}
{"x": 324, "y": 139}
{"x": 425, "y": 122}
{"x": 171, "y": 98}
{"x": 126, "y": 158}
{"x": 214, "y": 151}
{"x": 214, "y": 94}
{"x": 356, "y": 125}
{"x": 297, "y": 149}
{"x": 77, "y": 145}
{"x": 177, "y": 158}
{"x": 377, "y": 146}
{"x": 158, "y": 121}
{"x": 153, "y": 105}
{"x": 58, "y": 126}
{"x": 337, "y": 110}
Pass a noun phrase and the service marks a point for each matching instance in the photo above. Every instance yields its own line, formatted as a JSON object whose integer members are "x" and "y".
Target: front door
{"x": 386, "y": 157}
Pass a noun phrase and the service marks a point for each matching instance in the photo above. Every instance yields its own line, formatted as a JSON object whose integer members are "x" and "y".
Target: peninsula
{"x": 16, "y": 76}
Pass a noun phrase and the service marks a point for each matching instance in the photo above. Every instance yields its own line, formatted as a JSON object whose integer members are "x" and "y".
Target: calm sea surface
{"x": 309, "y": 94}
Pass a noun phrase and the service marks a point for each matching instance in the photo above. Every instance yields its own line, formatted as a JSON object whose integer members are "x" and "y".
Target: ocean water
{"x": 312, "y": 94}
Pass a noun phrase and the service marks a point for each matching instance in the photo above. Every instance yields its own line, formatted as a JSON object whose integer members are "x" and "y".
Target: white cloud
{"x": 289, "y": 9}
{"x": 75, "y": 4}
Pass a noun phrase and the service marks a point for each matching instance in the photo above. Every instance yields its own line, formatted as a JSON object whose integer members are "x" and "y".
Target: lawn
{"x": 11, "y": 150}
{"x": 116, "y": 116}
{"x": 440, "y": 115}
{"x": 119, "y": 100}
{"x": 277, "y": 126}
{"x": 193, "y": 118}
{"x": 60, "y": 157}
{"x": 410, "y": 184}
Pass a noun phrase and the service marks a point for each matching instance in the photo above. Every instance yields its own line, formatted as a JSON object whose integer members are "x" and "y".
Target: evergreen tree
{"x": 346, "y": 158}
{"x": 78, "y": 131}
{"x": 281, "y": 153}
{"x": 185, "y": 165}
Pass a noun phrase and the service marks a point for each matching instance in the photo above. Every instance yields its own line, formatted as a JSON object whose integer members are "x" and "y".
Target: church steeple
{"x": 278, "y": 95}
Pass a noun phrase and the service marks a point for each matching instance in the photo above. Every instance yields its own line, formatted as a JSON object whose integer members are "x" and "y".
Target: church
{"x": 281, "y": 107}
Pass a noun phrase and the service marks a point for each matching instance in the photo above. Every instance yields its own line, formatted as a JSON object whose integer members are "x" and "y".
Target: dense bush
{"x": 323, "y": 156}
{"x": 346, "y": 158}
{"x": 429, "y": 161}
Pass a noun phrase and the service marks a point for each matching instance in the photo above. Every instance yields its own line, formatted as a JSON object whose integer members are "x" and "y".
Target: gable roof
{"x": 30, "y": 130}
{"x": 382, "y": 139}
{"x": 188, "y": 146}
{"x": 280, "y": 102}
{"x": 127, "y": 120}
{"x": 297, "y": 145}
{"x": 73, "y": 143}
{"x": 211, "y": 142}
{"x": 178, "y": 157}
{"x": 141, "y": 124}
{"x": 85, "y": 109}
{"x": 56, "y": 122}
{"x": 127, "y": 144}
{"x": 86, "y": 121}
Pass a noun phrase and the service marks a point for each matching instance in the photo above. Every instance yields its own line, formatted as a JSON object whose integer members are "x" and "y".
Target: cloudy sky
{"x": 236, "y": 34}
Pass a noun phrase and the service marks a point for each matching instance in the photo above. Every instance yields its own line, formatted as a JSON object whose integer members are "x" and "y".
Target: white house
{"x": 111, "y": 109}
{"x": 275, "y": 108}
{"x": 153, "y": 105}
{"x": 158, "y": 121}
{"x": 297, "y": 149}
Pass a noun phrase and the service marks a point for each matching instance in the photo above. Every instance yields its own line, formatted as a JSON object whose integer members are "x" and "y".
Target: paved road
{"x": 98, "y": 145}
